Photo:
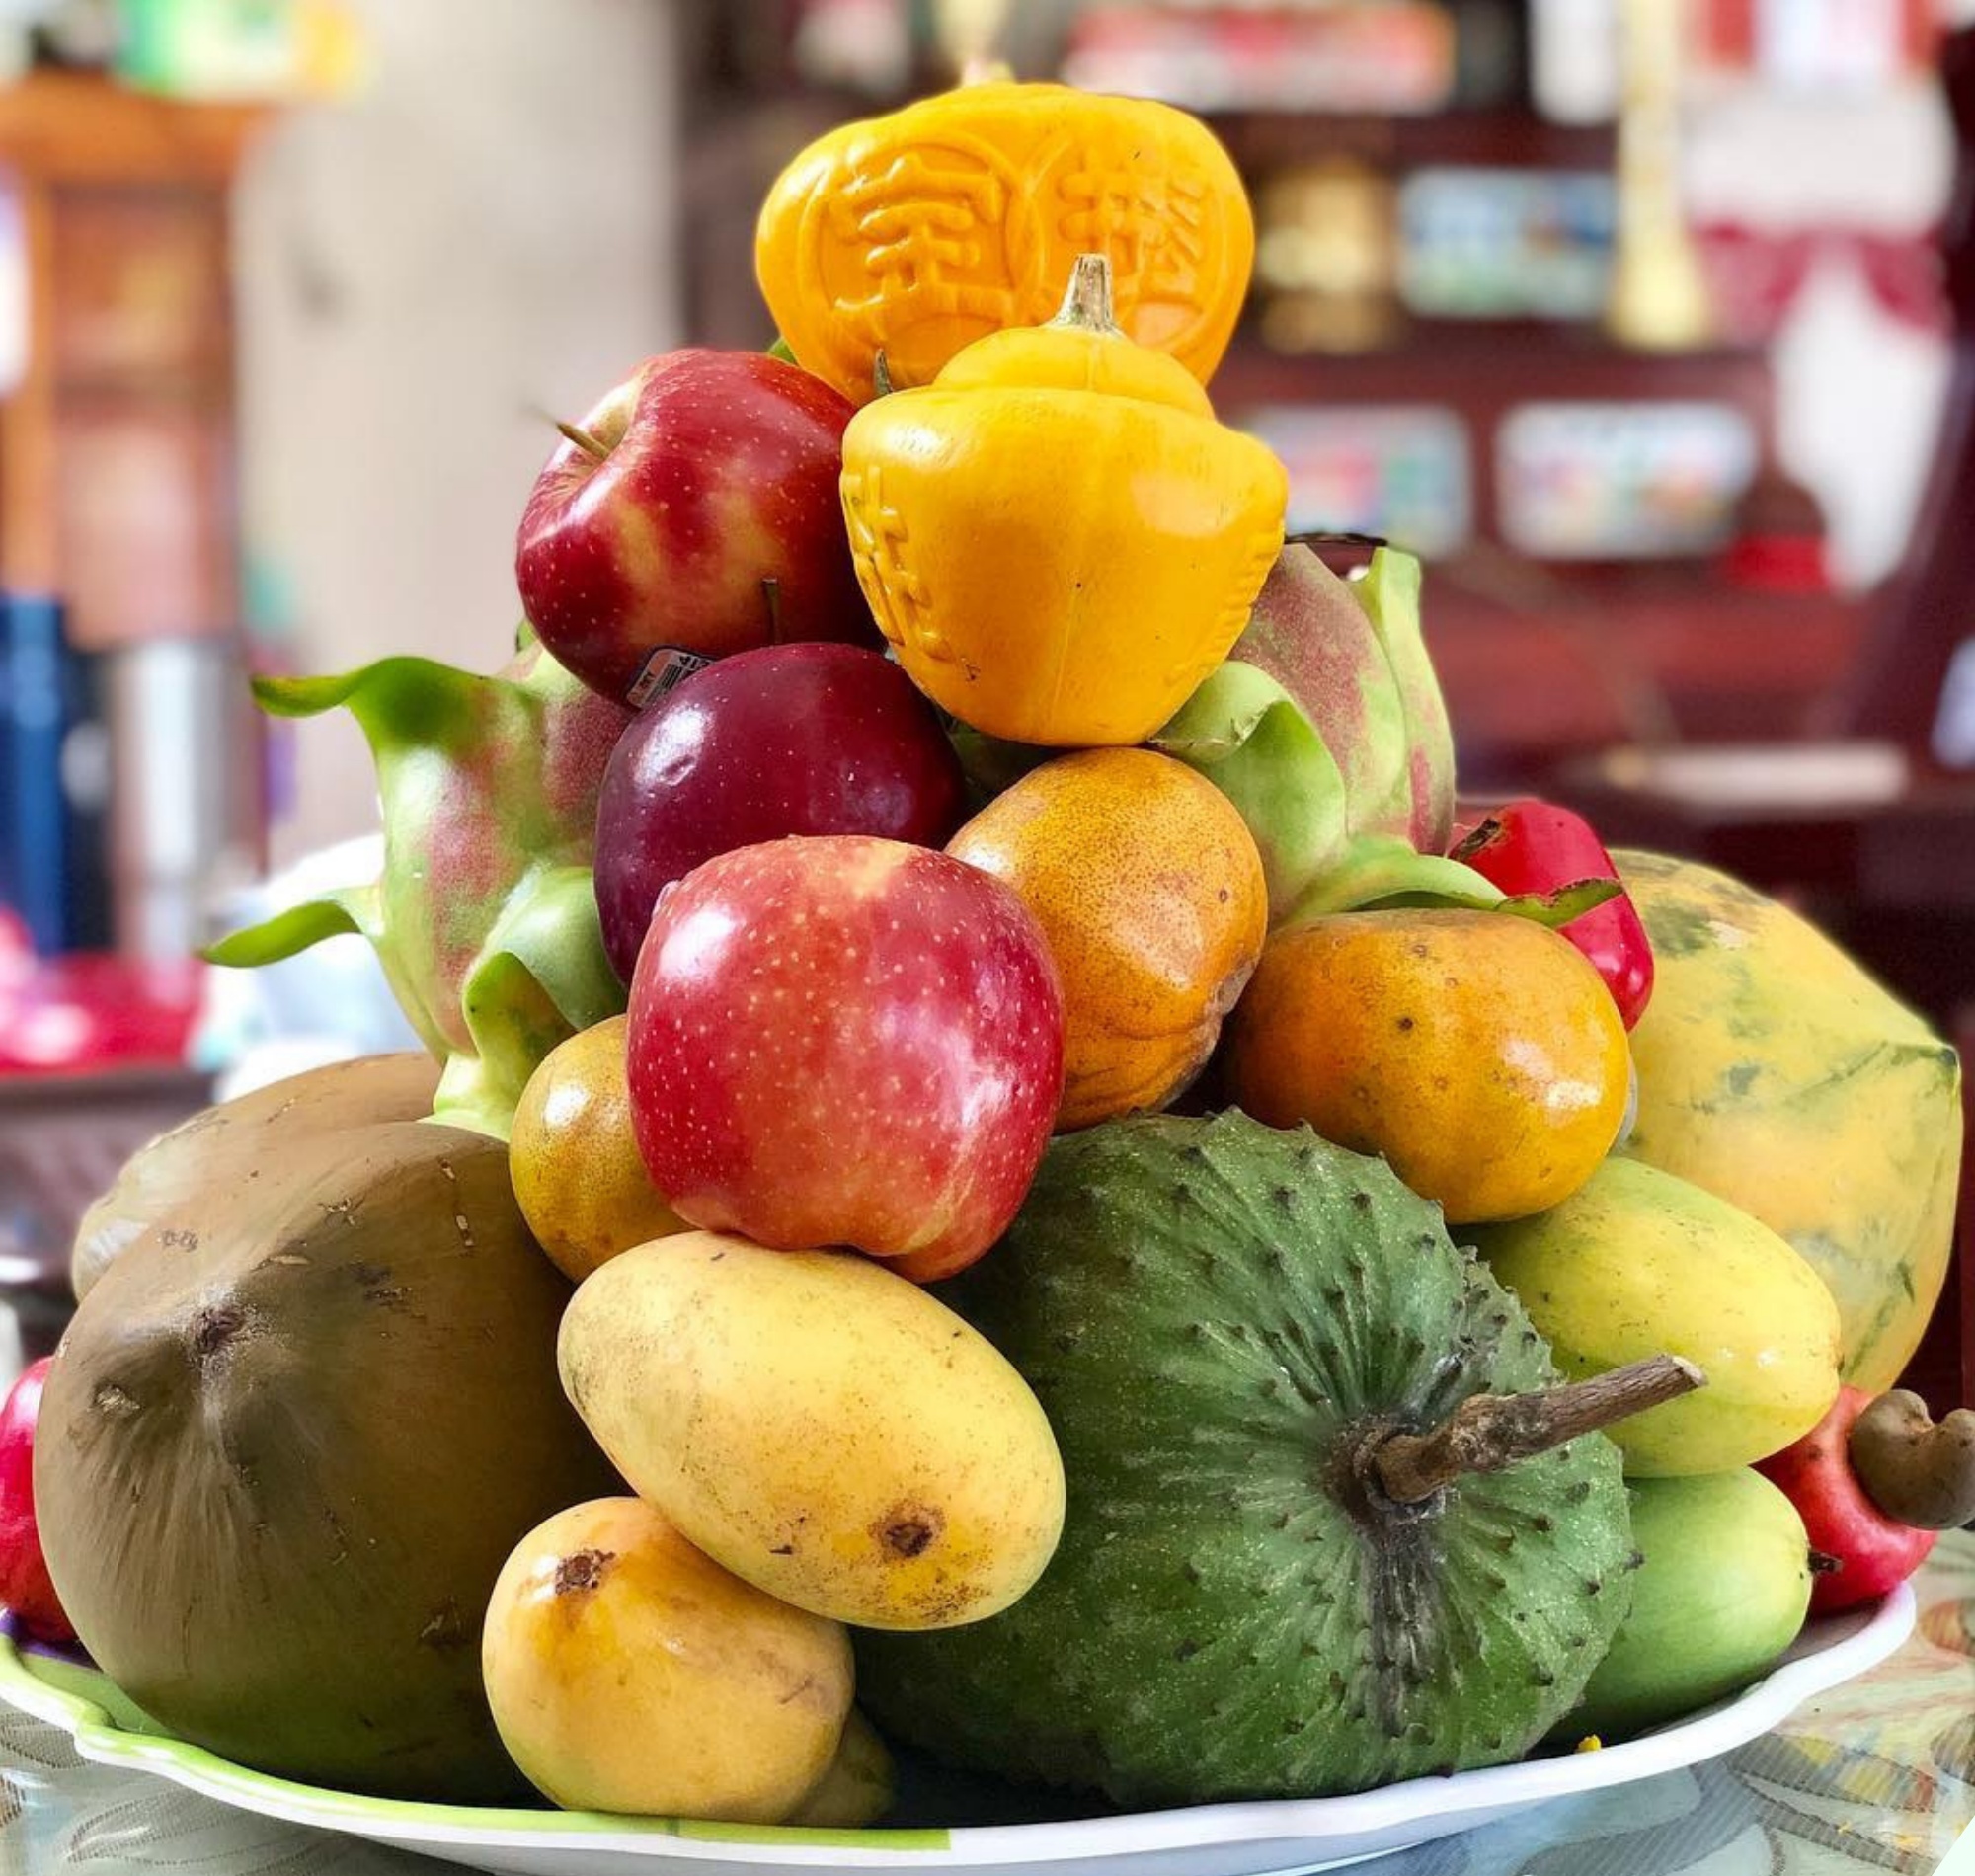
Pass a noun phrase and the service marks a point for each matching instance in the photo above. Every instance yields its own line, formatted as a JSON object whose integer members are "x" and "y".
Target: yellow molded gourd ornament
{"x": 1056, "y": 535}
{"x": 917, "y": 233}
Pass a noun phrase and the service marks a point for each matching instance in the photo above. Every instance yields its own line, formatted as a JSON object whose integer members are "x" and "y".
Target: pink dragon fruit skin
{"x": 484, "y": 917}
{"x": 1326, "y": 728}
{"x": 1353, "y": 655}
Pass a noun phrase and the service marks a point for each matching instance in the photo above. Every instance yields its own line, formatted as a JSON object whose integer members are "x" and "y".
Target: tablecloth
{"x": 1877, "y": 1775}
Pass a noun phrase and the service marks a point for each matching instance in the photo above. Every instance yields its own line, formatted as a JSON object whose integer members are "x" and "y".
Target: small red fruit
{"x": 1536, "y": 846}
{"x": 24, "y": 1586}
{"x": 1861, "y": 1552}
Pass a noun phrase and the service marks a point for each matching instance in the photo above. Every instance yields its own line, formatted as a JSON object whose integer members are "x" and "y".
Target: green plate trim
{"x": 112, "y": 1727}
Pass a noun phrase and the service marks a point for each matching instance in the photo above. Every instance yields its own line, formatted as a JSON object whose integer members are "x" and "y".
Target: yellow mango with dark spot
{"x": 820, "y": 1426}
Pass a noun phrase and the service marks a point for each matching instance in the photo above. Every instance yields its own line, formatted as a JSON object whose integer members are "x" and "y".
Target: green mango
{"x": 1722, "y": 1594}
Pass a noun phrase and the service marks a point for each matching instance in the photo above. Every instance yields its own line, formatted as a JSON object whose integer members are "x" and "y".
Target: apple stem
{"x": 1489, "y": 1432}
{"x": 582, "y": 439}
{"x": 771, "y": 598}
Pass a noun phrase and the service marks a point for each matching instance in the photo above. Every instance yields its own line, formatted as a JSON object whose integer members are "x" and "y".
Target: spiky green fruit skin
{"x": 1213, "y": 1313}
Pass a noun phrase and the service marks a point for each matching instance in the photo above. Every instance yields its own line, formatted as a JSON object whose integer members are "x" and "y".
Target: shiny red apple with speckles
{"x": 694, "y": 508}
{"x": 836, "y": 1040}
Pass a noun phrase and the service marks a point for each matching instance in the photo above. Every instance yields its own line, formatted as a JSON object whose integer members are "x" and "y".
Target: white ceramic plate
{"x": 1222, "y": 1840}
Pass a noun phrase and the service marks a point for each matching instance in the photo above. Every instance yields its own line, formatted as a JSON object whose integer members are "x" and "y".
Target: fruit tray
{"x": 1225, "y": 1839}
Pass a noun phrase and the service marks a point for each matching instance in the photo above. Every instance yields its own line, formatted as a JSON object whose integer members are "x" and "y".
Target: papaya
{"x": 1722, "y": 1594}
{"x": 1777, "y": 1075}
{"x": 291, "y": 1437}
{"x": 1636, "y": 1261}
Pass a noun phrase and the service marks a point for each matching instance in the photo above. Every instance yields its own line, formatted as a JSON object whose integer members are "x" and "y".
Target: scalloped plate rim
{"x": 1831, "y": 1651}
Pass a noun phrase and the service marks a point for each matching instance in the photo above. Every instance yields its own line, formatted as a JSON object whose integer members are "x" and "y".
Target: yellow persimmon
{"x": 1055, "y": 536}
{"x": 1149, "y": 888}
{"x": 917, "y": 233}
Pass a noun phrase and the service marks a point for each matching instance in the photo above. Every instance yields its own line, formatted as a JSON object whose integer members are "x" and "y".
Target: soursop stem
{"x": 1488, "y": 1432}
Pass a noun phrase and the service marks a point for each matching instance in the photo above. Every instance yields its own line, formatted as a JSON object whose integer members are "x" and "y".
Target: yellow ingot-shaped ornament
{"x": 1056, "y": 535}
{"x": 918, "y": 233}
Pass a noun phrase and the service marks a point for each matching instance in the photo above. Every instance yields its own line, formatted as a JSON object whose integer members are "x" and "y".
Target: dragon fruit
{"x": 484, "y": 917}
{"x": 1325, "y": 727}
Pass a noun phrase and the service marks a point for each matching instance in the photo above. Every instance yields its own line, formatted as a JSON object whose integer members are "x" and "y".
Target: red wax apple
{"x": 25, "y": 1587}
{"x": 787, "y": 739}
{"x": 841, "y": 1041}
{"x": 696, "y": 508}
{"x": 1861, "y": 1553}
{"x": 1537, "y": 846}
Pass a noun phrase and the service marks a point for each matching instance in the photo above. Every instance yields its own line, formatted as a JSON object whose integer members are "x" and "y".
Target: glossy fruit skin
{"x": 1147, "y": 886}
{"x": 1780, "y": 1077}
{"x": 1722, "y": 1594}
{"x": 790, "y": 738}
{"x": 1479, "y": 1053}
{"x": 1537, "y": 846}
{"x": 1075, "y": 609}
{"x": 628, "y": 1672}
{"x": 1871, "y": 1552}
{"x": 573, "y": 1158}
{"x": 921, "y": 231}
{"x": 24, "y": 1586}
{"x": 821, "y": 1425}
{"x": 836, "y": 1040}
{"x": 721, "y": 474}
{"x": 1637, "y": 1262}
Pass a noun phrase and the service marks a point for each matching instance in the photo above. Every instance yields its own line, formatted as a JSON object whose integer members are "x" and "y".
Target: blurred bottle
{"x": 55, "y": 780}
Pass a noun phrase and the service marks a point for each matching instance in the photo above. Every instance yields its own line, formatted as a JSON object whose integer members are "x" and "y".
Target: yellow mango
{"x": 628, "y": 1672}
{"x": 1635, "y": 1262}
{"x": 823, "y": 1427}
{"x": 859, "y": 1786}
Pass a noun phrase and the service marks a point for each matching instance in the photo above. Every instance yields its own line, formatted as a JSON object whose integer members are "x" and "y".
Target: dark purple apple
{"x": 788, "y": 740}
{"x": 694, "y": 508}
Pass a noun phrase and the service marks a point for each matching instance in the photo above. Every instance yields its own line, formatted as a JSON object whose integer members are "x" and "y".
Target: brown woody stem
{"x": 582, "y": 439}
{"x": 881, "y": 373}
{"x": 1488, "y": 1432}
{"x": 1086, "y": 305}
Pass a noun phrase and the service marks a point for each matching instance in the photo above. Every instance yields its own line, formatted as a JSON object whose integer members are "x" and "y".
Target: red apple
{"x": 698, "y": 511}
{"x": 841, "y": 1041}
{"x": 1864, "y": 1551}
{"x": 25, "y": 1587}
{"x": 791, "y": 738}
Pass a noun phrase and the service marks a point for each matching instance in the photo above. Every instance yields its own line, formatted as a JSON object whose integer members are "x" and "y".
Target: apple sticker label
{"x": 668, "y": 667}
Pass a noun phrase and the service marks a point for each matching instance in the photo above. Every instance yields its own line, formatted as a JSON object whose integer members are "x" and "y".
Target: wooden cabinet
{"x": 117, "y": 451}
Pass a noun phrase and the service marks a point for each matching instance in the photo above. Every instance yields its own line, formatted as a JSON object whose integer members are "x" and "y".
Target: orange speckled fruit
{"x": 573, "y": 1161}
{"x": 1480, "y": 1053}
{"x": 1149, "y": 888}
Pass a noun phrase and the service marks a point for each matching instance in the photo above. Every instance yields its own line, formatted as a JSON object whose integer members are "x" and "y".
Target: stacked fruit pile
{"x": 1003, "y": 1106}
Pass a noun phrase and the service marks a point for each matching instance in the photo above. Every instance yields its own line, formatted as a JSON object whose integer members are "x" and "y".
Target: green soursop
{"x": 1226, "y": 1324}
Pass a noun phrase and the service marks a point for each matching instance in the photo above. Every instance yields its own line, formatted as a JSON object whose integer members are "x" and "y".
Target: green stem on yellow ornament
{"x": 1086, "y": 303}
